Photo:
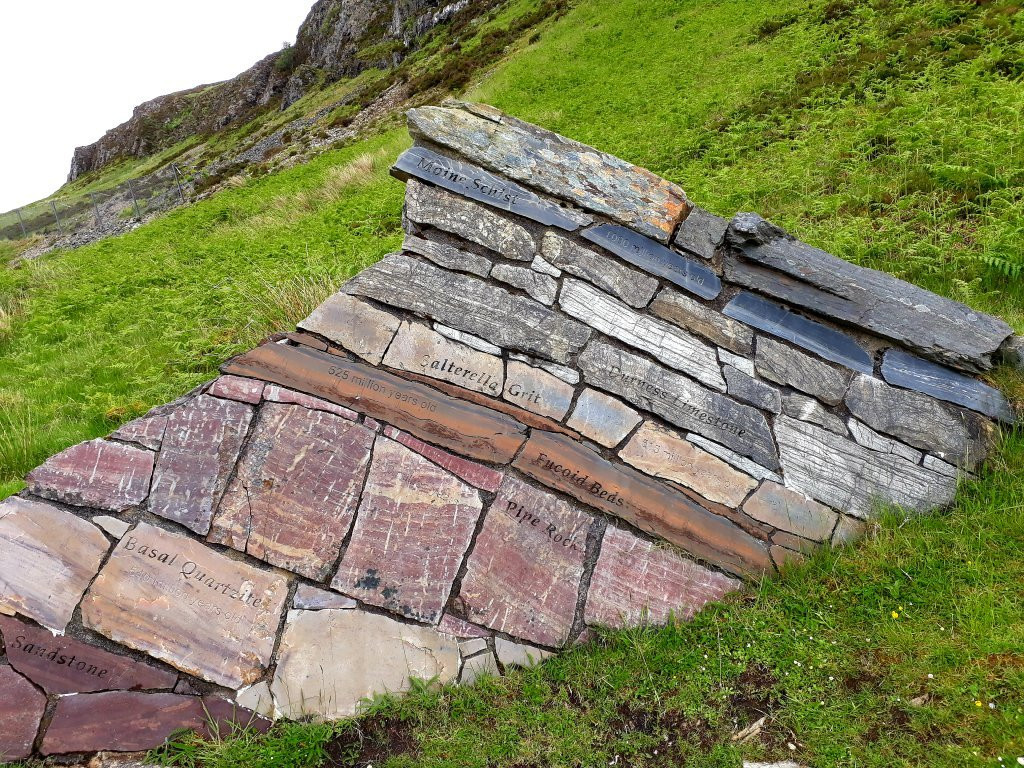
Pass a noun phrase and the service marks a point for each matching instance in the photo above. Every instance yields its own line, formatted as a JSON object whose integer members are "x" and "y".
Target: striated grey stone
{"x": 785, "y": 365}
{"x": 709, "y": 323}
{"x": 555, "y": 165}
{"x": 566, "y": 374}
{"x": 820, "y": 339}
{"x": 472, "y": 306}
{"x": 742, "y": 463}
{"x": 666, "y": 342}
{"x": 744, "y": 364}
{"x": 655, "y": 258}
{"x": 700, "y": 233}
{"x": 468, "y": 339}
{"x": 867, "y": 437}
{"x": 764, "y": 257}
{"x": 679, "y": 400}
{"x": 851, "y": 478}
{"x": 477, "y": 184}
{"x": 540, "y": 287}
{"x": 940, "y": 466}
{"x": 437, "y": 208}
{"x": 911, "y": 372}
{"x": 1012, "y": 351}
{"x": 539, "y": 264}
{"x": 749, "y": 390}
{"x": 958, "y": 437}
{"x": 448, "y": 256}
{"x": 808, "y": 409}
{"x": 633, "y": 287}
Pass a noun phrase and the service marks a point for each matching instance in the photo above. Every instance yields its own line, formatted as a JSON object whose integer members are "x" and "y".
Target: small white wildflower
{"x": 797, "y": 663}
{"x": 991, "y": 705}
{"x": 791, "y": 745}
{"x": 931, "y": 676}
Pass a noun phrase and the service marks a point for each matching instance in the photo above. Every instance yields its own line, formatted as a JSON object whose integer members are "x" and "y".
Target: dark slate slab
{"x": 655, "y": 258}
{"x": 824, "y": 341}
{"x": 906, "y": 370}
{"x": 482, "y": 186}
{"x": 759, "y": 255}
{"x": 700, "y": 233}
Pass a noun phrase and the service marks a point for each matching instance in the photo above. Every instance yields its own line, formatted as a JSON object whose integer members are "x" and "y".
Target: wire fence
{"x": 110, "y": 209}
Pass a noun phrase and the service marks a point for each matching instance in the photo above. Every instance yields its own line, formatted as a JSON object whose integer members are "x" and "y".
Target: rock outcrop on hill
{"x": 339, "y": 38}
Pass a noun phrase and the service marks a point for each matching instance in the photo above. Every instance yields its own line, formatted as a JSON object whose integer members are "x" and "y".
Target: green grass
{"x": 886, "y": 131}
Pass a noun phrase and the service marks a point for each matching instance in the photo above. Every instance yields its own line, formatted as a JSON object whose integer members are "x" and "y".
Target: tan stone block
{"x": 355, "y": 325}
{"x": 417, "y": 348}
{"x": 537, "y": 391}
{"x": 602, "y": 418}
{"x": 791, "y": 511}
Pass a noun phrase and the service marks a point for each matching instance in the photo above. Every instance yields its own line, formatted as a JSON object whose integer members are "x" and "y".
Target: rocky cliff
{"x": 339, "y": 38}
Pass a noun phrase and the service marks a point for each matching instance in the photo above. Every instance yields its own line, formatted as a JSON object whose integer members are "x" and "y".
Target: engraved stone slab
{"x": 293, "y": 498}
{"x": 470, "y": 305}
{"x": 484, "y": 187}
{"x": 867, "y": 437}
{"x": 448, "y": 256}
{"x": 785, "y": 365}
{"x": 959, "y": 438}
{"x": 680, "y": 401}
{"x": 749, "y": 390}
{"x": 355, "y": 325}
{"x": 731, "y": 457}
{"x": 179, "y": 601}
{"x": 276, "y": 394}
{"x": 603, "y": 419}
{"x": 419, "y": 349}
{"x": 666, "y": 342}
{"x": 65, "y": 665}
{"x": 147, "y": 431}
{"x": 655, "y": 258}
{"x": 712, "y": 325}
{"x": 572, "y": 468}
{"x": 555, "y": 165}
{"x": 310, "y": 598}
{"x": 414, "y": 525}
{"x": 539, "y": 287}
{"x": 664, "y": 453}
{"x": 99, "y": 473}
{"x": 808, "y": 409}
{"x": 823, "y": 341}
{"x": 21, "y": 709}
{"x": 537, "y": 390}
{"x": 851, "y": 478}
{"x": 47, "y": 559}
{"x": 477, "y": 475}
{"x": 437, "y": 208}
{"x": 765, "y": 258}
{"x": 524, "y": 574}
{"x": 905, "y": 370}
{"x": 630, "y": 285}
{"x": 330, "y": 660}
{"x": 700, "y": 233}
{"x": 469, "y": 429}
{"x": 636, "y": 581}
{"x": 130, "y": 722}
{"x": 200, "y": 447}
{"x": 791, "y": 511}
{"x": 236, "y": 388}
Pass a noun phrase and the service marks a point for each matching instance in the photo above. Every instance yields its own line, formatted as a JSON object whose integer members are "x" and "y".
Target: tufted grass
{"x": 886, "y": 131}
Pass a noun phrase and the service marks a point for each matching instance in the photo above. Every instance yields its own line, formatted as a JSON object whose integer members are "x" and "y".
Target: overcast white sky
{"x": 71, "y": 69}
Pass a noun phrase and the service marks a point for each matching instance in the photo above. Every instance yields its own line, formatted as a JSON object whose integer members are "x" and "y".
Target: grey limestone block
{"x": 808, "y": 409}
{"x": 749, "y": 390}
{"x": 689, "y": 313}
{"x": 782, "y": 364}
{"x": 700, "y": 233}
{"x": 555, "y": 165}
{"x": 540, "y": 287}
{"x": 472, "y": 306}
{"x": 632, "y": 286}
{"x": 762, "y": 256}
{"x": 448, "y": 256}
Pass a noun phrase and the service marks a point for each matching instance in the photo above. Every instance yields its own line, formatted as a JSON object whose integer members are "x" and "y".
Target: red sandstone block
{"x": 99, "y": 473}
{"x": 147, "y": 431}
{"x": 277, "y": 394}
{"x": 475, "y": 474}
{"x": 21, "y": 709}
{"x": 237, "y": 388}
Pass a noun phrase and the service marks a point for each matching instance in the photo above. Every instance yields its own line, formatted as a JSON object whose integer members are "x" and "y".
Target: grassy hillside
{"x": 886, "y": 131}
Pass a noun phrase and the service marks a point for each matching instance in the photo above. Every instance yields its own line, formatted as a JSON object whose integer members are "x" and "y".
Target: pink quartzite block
{"x": 21, "y": 709}
{"x": 475, "y": 474}
{"x": 237, "y": 388}
{"x": 201, "y": 445}
{"x": 414, "y": 525}
{"x": 147, "y": 431}
{"x": 524, "y": 574}
{"x": 453, "y": 625}
{"x": 276, "y": 394}
{"x": 636, "y": 580}
{"x": 99, "y": 474}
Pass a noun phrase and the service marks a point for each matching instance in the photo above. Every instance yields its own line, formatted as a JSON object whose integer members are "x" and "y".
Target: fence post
{"x": 21, "y": 222}
{"x": 135, "y": 202}
{"x": 96, "y": 209}
{"x": 56, "y": 216}
{"x": 177, "y": 179}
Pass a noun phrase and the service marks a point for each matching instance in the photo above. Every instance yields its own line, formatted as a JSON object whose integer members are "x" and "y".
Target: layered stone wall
{"x": 573, "y": 400}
